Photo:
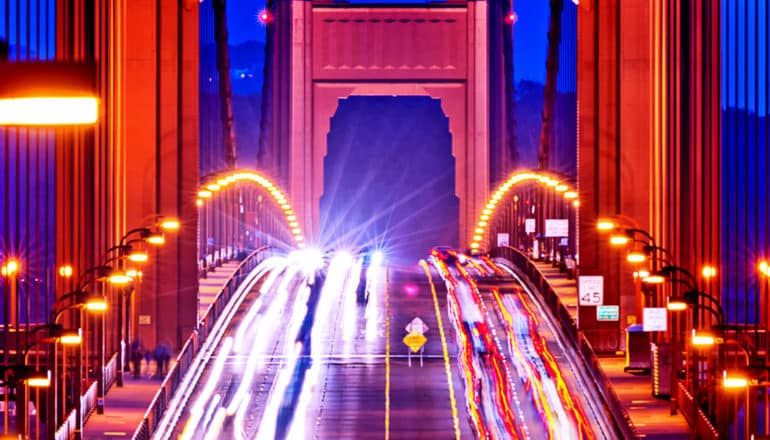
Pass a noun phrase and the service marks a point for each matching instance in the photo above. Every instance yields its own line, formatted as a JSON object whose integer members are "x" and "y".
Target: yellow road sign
{"x": 415, "y": 341}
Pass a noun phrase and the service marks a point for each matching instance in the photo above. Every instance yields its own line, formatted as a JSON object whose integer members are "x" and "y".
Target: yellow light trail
{"x": 447, "y": 367}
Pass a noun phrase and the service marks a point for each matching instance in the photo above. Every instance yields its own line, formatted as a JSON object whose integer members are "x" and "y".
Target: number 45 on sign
{"x": 591, "y": 290}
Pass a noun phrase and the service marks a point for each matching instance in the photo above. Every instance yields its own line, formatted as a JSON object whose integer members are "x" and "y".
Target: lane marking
{"x": 239, "y": 358}
{"x": 447, "y": 367}
{"x": 387, "y": 354}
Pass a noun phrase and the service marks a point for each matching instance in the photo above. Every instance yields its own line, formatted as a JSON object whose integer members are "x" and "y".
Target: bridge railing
{"x": 610, "y": 402}
{"x": 185, "y": 358}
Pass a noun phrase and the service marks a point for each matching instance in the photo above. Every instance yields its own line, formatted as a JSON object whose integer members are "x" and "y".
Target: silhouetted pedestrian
{"x": 137, "y": 354}
{"x": 162, "y": 357}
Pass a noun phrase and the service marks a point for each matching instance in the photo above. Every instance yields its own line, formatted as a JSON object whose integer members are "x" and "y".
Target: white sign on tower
{"x": 529, "y": 225}
{"x": 591, "y": 290}
{"x": 555, "y": 227}
{"x": 654, "y": 319}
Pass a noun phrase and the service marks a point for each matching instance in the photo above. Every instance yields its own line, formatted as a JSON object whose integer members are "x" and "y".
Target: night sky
{"x": 529, "y": 52}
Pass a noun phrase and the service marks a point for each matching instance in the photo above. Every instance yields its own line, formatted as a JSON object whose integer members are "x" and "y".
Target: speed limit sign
{"x": 591, "y": 290}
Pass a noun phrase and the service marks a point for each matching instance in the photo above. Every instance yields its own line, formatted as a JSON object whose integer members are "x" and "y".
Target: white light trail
{"x": 372, "y": 313}
{"x": 349, "y": 304}
{"x": 196, "y": 412}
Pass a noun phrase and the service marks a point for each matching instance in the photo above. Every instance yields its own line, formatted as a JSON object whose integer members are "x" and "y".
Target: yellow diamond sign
{"x": 415, "y": 341}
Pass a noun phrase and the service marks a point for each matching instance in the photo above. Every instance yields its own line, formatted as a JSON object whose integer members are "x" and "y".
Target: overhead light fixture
{"x": 96, "y": 305}
{"x": 676, "y": 304}
{"x": 170, "y": 224}
{"x": 619, "y": 240}
{"x": 605, "y": 225}
{"x": 48, "y": 94}
{"x": 71, "y": 337}
{"x": 138, "y": 256}
{"x": 734, "y": 382}
{"x": 156, "y": 239}
{"x": 39, "y": 380}
{"x": 65, "y": 271}
{"x": 702, "y": 340}
{"x": 119, "y": 278}
{"x": 654, "y": 279}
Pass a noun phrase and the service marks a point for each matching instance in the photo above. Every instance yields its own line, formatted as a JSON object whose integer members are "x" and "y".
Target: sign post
{"x": 415, "y": 339}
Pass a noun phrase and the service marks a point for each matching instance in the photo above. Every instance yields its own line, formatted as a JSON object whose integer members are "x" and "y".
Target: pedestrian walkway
{"x": 124, "y": 407}
{"x": 212, "y": 285}
{"x": 651, "y": 417}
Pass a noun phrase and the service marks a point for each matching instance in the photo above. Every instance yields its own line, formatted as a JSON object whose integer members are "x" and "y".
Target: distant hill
{"x": 246, "y": 66}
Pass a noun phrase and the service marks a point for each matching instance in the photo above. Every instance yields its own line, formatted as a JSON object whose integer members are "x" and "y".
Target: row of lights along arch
{"x": 548, "y": 181}
{"x": 211, "y": 187}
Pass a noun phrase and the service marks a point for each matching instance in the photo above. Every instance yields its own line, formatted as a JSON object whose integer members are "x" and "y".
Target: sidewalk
{"x": 651, "y": 417}
{"x": 212, "y": 284}
{"x": 124, "y": 407}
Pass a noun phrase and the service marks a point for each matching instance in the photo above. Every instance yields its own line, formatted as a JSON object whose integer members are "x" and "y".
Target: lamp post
{"x": 151, "y": 235}
{"x": 9, "y": 271}
{"x": 19, "y": 377}
{"x": 56, "y": 333}
{"x": 81, "y": 300}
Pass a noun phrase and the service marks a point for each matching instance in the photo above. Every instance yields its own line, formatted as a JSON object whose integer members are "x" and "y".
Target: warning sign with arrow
{"x": 415, "y": 341}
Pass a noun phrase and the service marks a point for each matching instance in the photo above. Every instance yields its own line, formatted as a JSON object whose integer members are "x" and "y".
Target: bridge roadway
{"x": 357, "y": 380}
{"x": 364, "y": 381}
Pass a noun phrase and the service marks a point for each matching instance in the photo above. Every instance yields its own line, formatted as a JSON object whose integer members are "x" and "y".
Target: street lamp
{"x": 700, "y": 340}
{"x": 55, "y": 333}
{"x": 636, "y": 257}
{"x": 676, "y": 304}
{"x": 152, "y": 234}
{"x": 654, "y": 278}
{"x": 619, "y": 240}
{"x": 733, "y": 381}
{"x": 48, "y": 93}
{"x": 78, "y": 300}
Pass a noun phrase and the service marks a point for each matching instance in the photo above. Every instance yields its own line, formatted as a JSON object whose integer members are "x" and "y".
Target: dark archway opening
{"x": 389, "y": 177}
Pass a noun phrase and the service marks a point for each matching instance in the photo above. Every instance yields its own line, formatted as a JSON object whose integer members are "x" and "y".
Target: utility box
{"x": 637, "y": 350}
{"x": 660, "y": 358}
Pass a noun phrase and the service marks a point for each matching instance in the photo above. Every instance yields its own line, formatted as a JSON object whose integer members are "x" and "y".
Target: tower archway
{"x": 343, "y": 50}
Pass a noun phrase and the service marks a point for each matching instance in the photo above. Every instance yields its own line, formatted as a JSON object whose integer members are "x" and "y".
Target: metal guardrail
{"x": 185, "y": 358}
{"x": 87, "y": 405}
{"x": 610, "y": 402}
{"x": 110, "y": 372}
{"x": 696, "y": 418}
